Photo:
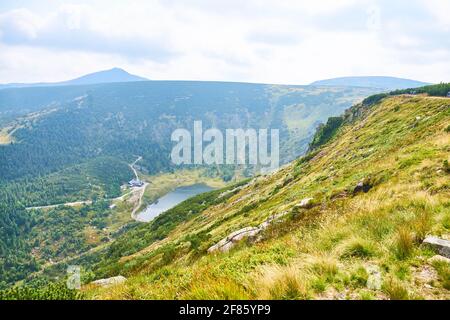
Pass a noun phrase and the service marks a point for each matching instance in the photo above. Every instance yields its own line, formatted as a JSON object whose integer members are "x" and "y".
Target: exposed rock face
{"x": 109, "y": 281}
{"x": 305, "y": 203}
{"x": 441, "y": 245}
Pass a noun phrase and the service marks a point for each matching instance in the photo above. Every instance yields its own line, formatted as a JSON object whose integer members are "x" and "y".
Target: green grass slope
{"x": 351, "y": 243}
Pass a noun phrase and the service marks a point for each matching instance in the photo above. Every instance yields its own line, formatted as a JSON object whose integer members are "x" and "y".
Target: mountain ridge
{"x": 381, "y": 82}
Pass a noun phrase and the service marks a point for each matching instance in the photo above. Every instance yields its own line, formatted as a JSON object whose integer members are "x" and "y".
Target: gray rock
{"x": 228, "y": 242}
{"x": 305, "y": 203}
{"x": 243, "y": 233}
{"x": 441, "y": 245}
{"x": 374, "y": 280}
{"x": 109, "y": 281}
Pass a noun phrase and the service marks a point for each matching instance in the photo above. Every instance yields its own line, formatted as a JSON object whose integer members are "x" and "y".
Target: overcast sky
{"x": 269, "y": 41}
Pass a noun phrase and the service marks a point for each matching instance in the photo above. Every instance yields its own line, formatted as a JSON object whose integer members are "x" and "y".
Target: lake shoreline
{"x": 170, "y": 200}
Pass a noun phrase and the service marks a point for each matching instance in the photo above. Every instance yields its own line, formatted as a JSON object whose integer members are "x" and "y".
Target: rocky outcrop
{"x": 230, "y": 241}
{"x": 440, "y": 245}
{"x": 109, "y": 281}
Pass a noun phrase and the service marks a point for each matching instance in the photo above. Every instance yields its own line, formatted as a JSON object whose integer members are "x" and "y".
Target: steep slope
{"x": 377, "y": 187}
{"x": 387, "y": 83}
{"x": 106, "y": 76}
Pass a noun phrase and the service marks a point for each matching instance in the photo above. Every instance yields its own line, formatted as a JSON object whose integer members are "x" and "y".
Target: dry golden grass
{"x": 282, "y": 283}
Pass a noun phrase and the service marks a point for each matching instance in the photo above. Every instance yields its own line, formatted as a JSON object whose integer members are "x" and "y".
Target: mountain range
{"x": 120, "y": 75}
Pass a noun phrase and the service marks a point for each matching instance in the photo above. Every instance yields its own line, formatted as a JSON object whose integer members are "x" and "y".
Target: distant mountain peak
{"x": 105, "y": 76}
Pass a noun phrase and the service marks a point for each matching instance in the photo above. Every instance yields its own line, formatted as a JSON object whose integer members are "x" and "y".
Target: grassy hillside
{"x": 379, "y": 183}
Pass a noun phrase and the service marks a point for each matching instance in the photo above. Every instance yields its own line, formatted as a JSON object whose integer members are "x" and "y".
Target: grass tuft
{"x": 283, "y": 283}
{"x": 358, "y": 248}
{"x": 395, "y": 290}
{"x": 404, "y": 244}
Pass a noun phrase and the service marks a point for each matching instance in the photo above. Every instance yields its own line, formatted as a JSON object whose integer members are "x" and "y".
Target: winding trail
{"x": 140, "y": 189}
{"x": 132, "y": 166}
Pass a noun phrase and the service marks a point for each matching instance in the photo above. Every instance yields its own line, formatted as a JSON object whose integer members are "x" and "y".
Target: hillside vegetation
{"x": 379, "y": 183}
{"x": 58, "y": 127}
{"x": 72, "y": 144}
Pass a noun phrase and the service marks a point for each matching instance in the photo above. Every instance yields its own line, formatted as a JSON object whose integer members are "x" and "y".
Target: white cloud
{"x": 440, "y": 9}
{"x": 271, "y": 41}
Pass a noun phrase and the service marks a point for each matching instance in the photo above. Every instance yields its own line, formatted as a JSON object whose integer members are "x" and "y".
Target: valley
{"x": 68, "y": 200}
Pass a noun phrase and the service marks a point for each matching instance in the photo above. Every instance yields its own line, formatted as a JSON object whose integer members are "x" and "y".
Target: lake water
{"x": 170, "y": 200}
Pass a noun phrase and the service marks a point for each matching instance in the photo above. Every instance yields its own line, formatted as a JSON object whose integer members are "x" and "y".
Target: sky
{"x": 266, "y": 41}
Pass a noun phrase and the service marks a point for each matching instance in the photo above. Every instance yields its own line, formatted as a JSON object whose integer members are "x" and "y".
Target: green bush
{"x": 369, "y": 101}
{"x": 326, "y": 132}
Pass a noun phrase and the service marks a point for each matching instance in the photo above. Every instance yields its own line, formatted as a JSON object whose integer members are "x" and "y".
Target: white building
{"x": 135, "y": 183}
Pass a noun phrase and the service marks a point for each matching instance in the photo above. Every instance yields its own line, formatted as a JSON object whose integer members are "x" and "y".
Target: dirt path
{"x": 67, "y": 204}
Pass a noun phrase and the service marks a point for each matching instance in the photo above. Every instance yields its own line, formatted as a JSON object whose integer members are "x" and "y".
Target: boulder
{"x": 109, "y": 281}
{"x": 363, "y": 186}
{"x": 440, "y": 245}
{"x": 305, "y": 203}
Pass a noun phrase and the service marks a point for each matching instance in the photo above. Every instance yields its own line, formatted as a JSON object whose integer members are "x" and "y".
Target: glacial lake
{"x": 170, "y": 200}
